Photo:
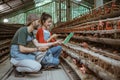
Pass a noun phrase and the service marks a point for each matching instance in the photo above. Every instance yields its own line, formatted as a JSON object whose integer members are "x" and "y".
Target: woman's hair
{"x": 44, "y": 17}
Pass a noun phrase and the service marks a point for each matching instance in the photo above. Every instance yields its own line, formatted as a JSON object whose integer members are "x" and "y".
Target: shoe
{"x": 39, "y": 72}
{"x": 19, "y": 74}
{"x": 51, "y": 67}
{"x": 57, "y": 67}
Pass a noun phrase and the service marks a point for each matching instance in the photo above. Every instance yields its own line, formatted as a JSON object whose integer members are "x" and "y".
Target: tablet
{"x": 67, "y": 39}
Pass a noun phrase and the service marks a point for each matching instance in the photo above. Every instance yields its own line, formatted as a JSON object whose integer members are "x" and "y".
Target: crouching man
{"x": 22, "y": 57}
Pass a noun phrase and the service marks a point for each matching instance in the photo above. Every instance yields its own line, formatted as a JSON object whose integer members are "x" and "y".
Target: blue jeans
{"x": 23, "y": 62}
{"x": 52, "y": 56}
{"x": 15, "y": 53}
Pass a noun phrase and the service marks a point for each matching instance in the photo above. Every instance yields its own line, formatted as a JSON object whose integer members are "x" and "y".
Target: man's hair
{"x": 31, "y": 18}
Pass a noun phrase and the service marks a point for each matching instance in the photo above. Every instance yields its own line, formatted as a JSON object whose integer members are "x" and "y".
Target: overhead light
{"x": 5, "y": 20}
{"x": 37, "y": 1}
{"x": 41, "y": 2}
{"x": 78, "y": 0}
{"x": 1, "y": 7}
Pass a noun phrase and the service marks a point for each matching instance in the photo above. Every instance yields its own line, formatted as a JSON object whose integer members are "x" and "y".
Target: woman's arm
{"x": 51, "y": 37}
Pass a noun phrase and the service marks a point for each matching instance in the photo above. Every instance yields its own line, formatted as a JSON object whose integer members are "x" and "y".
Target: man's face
{"x": 36, "y": 24}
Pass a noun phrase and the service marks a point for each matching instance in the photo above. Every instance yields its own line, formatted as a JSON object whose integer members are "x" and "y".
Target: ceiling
{"x": 7, "y": 6}
{"x": 89, "y": 3}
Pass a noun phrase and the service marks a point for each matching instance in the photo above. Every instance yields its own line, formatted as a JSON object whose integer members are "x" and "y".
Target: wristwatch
{"x": 37, "y": 48}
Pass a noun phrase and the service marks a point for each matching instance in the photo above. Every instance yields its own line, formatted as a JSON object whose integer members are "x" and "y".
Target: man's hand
{"x": 42, "y": 49}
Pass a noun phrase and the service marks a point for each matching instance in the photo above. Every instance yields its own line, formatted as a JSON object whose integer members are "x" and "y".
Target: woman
{"x": 44, "y": 36}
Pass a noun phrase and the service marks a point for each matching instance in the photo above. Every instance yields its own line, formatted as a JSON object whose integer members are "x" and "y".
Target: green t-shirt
{"x": 21, "y": 36}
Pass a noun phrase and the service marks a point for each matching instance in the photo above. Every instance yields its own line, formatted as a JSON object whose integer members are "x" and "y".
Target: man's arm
{"x": 24, "y": 49}
{"x": 39, "y": 47}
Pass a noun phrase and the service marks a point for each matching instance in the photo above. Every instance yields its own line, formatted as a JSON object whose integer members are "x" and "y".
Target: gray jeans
{"x": 25, "y": 62}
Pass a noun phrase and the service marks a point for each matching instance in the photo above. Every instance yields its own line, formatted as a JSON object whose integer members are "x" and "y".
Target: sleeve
{"x": 40, "y": 36}
{"x": 22, "y": 37}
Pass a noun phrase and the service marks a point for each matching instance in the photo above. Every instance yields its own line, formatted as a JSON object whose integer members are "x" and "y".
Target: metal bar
{"x": 114, "y": 42}
{"x": 68, "y": 10}
{"x": 22, "y": 1}
{"x": 102, "y": 57}
{"x": 59, "y": 10}
{"x": 93, "y": 22}
{"x": 95, "y": 68}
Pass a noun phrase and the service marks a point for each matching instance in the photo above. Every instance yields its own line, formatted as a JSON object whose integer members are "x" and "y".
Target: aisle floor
{"x": 58, "y": 74}
{"x": 55, "y": 74}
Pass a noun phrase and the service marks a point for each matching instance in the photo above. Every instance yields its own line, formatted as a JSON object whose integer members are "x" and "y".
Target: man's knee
{"x": 36, "y": 67}
{"x": 31, "y": 66}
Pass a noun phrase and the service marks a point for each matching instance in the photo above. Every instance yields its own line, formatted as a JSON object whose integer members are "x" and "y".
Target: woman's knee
{"x": 56, "y": 61}
{"x": 59, "y": 47}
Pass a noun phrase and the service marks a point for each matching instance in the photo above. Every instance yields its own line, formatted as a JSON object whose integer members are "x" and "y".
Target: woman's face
{"x": 48, "y": 23}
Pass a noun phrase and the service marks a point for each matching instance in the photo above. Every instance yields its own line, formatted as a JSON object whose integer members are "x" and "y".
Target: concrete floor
{"x": 4, "y": 67}
{"x": 56, "y": 74}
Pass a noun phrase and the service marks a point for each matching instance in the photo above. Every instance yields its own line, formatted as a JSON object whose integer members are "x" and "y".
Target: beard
{"x": 36, "y": 26}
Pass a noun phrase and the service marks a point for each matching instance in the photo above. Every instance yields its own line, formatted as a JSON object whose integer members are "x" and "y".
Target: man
{"x": 24, "y": 58}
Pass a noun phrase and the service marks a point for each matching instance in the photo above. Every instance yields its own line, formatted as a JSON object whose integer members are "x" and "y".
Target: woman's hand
{"x": 54, "y": 36}
{"x": 51, "y": 37}
{"x": 58, "y": 42}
